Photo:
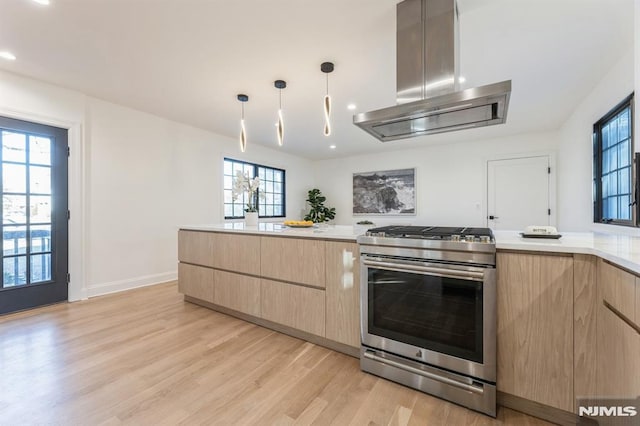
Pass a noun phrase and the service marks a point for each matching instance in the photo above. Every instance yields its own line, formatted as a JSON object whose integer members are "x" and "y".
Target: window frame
{"x": 256, "y": 168}
{"x": 628, "y": 102}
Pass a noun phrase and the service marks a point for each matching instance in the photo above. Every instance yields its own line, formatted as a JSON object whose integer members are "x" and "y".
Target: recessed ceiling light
{"x": 43, "y": 2}
{"x": 332, "y": 147}
{"x": 7, "y": 55}
{"x": 461, "y": 79}
{"x": 351, "y": 107}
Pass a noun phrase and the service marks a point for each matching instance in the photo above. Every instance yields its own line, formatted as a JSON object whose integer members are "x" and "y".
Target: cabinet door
{"x": 238, "y": 292}
{"x": 585, "y": 310}
{"x": 237, "y": 252}
{"x": 195, "y": 247}
{"x": 343, "y": 293}
{"x": 618, "y": 359}
{"x": 293, "y": 259}
{"x": 535, "y": 327}
{"x": 196, "y": 281}
{"x": 618, "y": 288}
{"x": 637, "y": 318}
{"x": 293, "y": 305}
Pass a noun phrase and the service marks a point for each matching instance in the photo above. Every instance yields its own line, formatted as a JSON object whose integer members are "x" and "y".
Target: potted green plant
{"x": 318, "y": 213}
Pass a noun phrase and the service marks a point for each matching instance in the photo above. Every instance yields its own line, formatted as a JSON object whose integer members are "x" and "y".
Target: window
{"x": 271, "y": 203}
{"x": 614, "y": 195}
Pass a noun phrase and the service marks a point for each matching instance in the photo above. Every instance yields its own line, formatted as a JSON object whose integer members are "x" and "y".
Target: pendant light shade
{"x": 327, "y": 67}
{"x": 243, "y": 130}
{"x": 280, "y": 84}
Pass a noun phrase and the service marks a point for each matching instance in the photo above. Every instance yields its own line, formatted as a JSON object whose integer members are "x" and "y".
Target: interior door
{"x": 518, "y": 193}
{"x": 33, "y": 180}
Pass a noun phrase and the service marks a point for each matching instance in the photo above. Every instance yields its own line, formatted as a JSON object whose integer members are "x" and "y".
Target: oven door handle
{"x": 471, "y": 387}
{"x": 425, "y": 270}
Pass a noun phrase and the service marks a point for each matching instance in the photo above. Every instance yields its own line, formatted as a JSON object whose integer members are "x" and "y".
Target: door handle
{"x": 492, "y": 217}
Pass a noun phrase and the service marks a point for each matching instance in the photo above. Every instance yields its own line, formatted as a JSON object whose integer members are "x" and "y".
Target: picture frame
{"x": 385, "y": 193}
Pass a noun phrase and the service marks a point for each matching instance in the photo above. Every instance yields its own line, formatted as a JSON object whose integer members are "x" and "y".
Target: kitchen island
{"x": 568, "y": 309}
{"x": 299, "y": 281}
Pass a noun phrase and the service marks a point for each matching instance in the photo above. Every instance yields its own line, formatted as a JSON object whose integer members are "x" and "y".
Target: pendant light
{"x": 327, "y": 67}
{"x": 243, "y": 131}
{"x": 280, "y": 84}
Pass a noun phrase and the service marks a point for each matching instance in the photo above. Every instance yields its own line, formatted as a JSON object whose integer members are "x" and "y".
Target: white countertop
{"x": 331, "y": 232}
{"x": 623, "y": 250}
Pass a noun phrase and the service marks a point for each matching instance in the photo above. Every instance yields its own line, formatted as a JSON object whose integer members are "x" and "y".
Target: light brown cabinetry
{"x": 238, "y": 253}
{"x": 584, "y": 325}
{"x": 196, "y": 281}
{"x": 238, "y": 292}
{"x": 618, "y": 288}
{"x": 535, "y": 327}
{"x": 195, "y": 247}
{"x": 295, "y": 306}
{"x": 618, "y": 365}
{"x": 343, "y": 293}
{"x": 637, "y": 318}
{"x": 305, "y": 287}
{"x": 293, "y": 259}
{"x": 618, "y": 334}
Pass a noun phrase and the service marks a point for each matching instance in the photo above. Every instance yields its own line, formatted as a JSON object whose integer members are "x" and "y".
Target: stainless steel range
{"x": 428, "y": 310}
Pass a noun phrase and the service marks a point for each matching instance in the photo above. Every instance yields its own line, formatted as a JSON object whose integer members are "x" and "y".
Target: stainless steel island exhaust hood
{"x": 427, "y": 79}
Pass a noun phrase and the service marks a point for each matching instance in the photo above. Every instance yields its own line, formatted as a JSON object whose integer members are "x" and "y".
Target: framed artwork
{"x": 390, "y": 192}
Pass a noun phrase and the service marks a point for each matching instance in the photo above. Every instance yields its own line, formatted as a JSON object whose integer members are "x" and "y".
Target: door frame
{"x": 77, "y": 174}
{"x": 553, "y": 205}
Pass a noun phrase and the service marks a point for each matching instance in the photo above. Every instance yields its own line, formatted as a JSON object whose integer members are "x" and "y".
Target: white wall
{"x": 575, "y": 154}
{"x": 451, "y": 178}
{"x": 135, "y": 178}
{"x": 150, "y": 175}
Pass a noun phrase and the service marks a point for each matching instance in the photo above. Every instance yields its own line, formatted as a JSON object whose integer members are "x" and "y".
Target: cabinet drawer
{"x": 240, "y": 253}
{"x": 294, "y": 306}
{"x": 293, "y": 259}
{"x": 618, "y": 288}
{"x": 195, "y": 247}
{"x": 238, "y": 292}
{"x": 196, "y": 281}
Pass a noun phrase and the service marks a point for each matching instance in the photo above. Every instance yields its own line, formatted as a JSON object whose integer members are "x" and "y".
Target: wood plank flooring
{"x": 146, "y": 357}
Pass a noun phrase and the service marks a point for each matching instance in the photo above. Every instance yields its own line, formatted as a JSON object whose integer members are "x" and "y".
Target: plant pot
{"x": 251, "y": 218}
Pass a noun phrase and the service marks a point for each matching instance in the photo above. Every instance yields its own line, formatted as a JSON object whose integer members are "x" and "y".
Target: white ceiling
{"x": 187, "y": 59}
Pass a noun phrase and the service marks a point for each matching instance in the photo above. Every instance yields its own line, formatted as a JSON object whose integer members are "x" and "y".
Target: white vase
{"x": 251, "y": 218}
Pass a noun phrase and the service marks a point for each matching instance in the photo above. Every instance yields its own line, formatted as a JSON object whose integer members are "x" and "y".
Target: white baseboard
{"x": 128, "y": 284}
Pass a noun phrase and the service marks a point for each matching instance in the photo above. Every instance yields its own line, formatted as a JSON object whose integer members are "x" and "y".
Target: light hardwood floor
{"x": 147, "y": 357}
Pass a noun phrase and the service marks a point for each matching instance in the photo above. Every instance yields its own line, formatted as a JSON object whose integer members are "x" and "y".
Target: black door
{"x": 35, "y": 247}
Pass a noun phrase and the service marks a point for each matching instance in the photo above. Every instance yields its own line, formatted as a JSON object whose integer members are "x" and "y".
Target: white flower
{"x": 243, "y": 184}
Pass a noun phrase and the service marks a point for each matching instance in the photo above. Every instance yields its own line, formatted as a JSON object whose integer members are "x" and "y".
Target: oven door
{"x": 438, "y": 313}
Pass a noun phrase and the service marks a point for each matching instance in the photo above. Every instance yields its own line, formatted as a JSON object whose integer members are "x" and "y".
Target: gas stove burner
{"x": 445, "y": 233}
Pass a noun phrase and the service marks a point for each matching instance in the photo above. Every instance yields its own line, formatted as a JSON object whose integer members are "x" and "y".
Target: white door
{"x": 518, "y": 193}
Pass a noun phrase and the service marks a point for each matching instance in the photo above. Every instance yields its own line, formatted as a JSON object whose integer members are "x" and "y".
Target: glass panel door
{"x": 33, "y": 162}
{"x": 431, "y": 312}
